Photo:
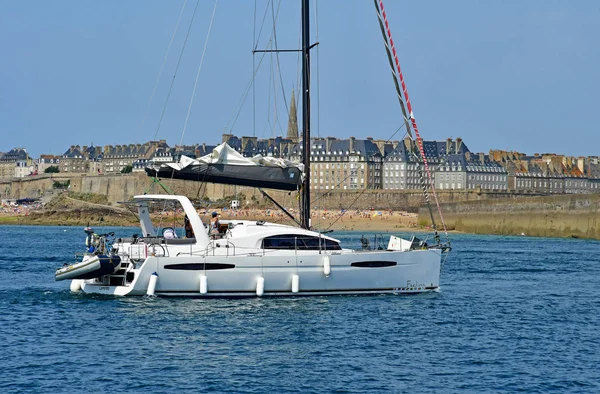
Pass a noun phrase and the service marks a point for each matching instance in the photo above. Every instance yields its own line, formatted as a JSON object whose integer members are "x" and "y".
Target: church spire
{"x": 292, "y": 129}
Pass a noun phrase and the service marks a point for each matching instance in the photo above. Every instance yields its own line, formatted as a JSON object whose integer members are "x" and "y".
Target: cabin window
{"x": 303, "y": 242}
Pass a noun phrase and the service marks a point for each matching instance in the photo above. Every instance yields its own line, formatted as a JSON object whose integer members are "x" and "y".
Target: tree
{"x": 52, "y": 170}
{"x": 127, "y": 169}
{"x": 61, "y": 185}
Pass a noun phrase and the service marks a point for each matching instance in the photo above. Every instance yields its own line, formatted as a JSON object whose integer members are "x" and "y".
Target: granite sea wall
{"x": 121, "y": 187}
{"x": 572, "y": 215}
{"x": 473, "y": 211}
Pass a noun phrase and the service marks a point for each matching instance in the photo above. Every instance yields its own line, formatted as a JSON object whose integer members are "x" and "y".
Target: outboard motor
{"x": 88, "y": 239}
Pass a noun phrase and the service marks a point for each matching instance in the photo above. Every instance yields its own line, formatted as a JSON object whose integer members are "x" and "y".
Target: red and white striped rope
{"x": 410, "y": 112}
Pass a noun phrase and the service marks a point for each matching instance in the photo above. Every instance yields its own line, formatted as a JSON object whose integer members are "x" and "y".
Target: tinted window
{"x": 303, "y": 242}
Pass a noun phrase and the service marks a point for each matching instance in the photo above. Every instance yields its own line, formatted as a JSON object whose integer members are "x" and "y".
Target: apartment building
{"x": 15, "y": 163}
{"x": 468, "y": 171}
{"x": 347, "y": 164}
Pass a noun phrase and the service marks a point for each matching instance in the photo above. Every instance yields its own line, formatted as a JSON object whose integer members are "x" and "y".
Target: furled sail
{"x": 226, "y": 165}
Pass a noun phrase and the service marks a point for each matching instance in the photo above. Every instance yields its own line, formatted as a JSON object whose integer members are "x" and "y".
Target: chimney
{"x": 581, "y": 164}
{"x": 482, "y": 158}
{"x": 352, "y": 144}
{"x": 328, "y": 141}
{"x": 449, "y": 146}
{"x": 226, "y": 137}
{"x": 245, "y": 141}
{"x": 458, "y": 144}
{"x": 409, "y": 144}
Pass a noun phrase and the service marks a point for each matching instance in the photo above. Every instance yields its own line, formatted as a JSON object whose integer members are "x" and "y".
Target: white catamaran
{"x": 252, "y": 258}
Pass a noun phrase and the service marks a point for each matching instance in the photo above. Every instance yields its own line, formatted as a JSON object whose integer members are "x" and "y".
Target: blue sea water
{"x": 515, "y": 314}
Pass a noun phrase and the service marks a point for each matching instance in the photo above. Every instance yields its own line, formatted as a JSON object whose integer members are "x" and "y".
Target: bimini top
{"x": 225, "y": 165}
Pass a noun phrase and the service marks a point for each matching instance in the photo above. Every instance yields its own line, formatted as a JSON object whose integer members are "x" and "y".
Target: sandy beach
{"x": 335, "y": 220}
{"x": 367, "y": 220}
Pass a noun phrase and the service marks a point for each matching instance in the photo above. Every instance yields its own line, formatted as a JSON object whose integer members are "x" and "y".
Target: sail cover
{"x": 226, "y": 165}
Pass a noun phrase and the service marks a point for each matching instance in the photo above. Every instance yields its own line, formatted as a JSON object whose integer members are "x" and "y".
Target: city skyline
{"x": 217, "y": 141}
{"x": 348, "y": 164}
{"x": 512, "y": 76}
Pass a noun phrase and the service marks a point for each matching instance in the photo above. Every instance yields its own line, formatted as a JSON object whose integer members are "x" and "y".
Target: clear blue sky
{"x": 520, "y": 75}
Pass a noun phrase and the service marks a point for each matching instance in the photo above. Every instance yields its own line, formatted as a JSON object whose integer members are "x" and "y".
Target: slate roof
{"x": 400, "y": 153}
{"x": 16, "y": 154}
{"x": 203, "y": 149}
{"x": 473, "y": 163}
{"x": 339, "y": 148}
{"x": 594, "y": 171}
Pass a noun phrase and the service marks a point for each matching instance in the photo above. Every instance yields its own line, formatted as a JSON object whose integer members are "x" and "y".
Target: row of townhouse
{"x": 349, "y": 164}
{"x": 346, "y": 164}
{"x": 16, "y": 163}
{"x": 375, "y": 164}
{"x": 352, "y": 163}
{"x": 110, "y": 159}
{"x": 165, "y": 154}
{"x": 550, "y": 173}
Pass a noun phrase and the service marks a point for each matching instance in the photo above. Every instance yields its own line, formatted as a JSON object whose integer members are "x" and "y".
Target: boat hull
{"x": 350, "y": 272}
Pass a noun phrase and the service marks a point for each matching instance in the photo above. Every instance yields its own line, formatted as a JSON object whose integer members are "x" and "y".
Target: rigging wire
{"x": 362, "y": 167}
{"x": 162, "y": 66}
{"x": 195, "y": 86}
{"x": 255, "y": 42}
{"x": 187, "y": 117}
{"x": 262, "y": 24}
{"x": 318, "y": 73}
{"x": 197, "y": 76}
{"x": 412, "y": 118}
{"x": 238, "y": 108}
{"x": 299, "y": 59}
{"x": 277, "y": 56}
{"x": 270, "y": 126}
{"x": 176, "y": 69}
{"x": 253, "y": 65}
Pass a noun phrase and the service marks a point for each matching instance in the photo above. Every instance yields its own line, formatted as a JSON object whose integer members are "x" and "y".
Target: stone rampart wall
{"x": 472, "y": 212}
{"x": 549, "y": 216}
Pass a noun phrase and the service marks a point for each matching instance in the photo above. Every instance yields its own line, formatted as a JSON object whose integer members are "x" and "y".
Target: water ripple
{"x": 516, "y": 314}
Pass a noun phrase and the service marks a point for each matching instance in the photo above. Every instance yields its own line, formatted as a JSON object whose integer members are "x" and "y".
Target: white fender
{"x": 295, "y": 283}
{"x": 203, "y": 284}
{"x": 76, "y": 285}
{"x": 326, "y": 265}
{"x": 152, "y": 284}
{"x": 260, "y": 286}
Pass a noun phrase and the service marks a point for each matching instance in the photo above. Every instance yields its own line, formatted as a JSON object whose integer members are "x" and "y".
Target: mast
{"x": 305, "y": 197}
